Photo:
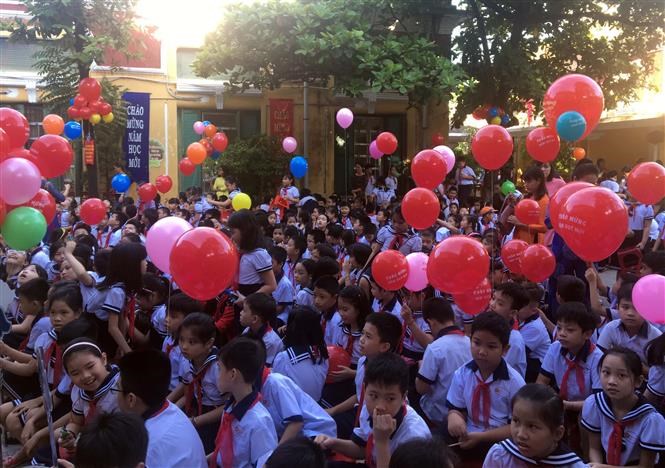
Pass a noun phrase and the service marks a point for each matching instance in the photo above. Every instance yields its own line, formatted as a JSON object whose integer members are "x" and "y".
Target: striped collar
{"x": 582, "y": 355}
{"x": 300, "y": 353}
{"x": 53, "y": 334}
{"x": 641, "y": 408}
{"x": 562, "y": 455}
{"x": 532, "y": 318}
{"x": 212, "y": 357}
{"x": 347, "y": 330}
{"x": 106, "y": 385}
{"x": 500, "y": 373}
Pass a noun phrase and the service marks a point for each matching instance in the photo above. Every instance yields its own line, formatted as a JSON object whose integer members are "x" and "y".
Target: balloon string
{"x": 493, "y": 243}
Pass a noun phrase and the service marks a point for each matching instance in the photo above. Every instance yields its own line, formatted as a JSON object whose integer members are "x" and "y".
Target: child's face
{"x": 321, "y": 222}
{"x": 381, "y": 216}
{"x": 452, "y": 220}
{"x": 502, "y": 305}
{"x": 192, "y": 348}
{"x": 463, "y": 211}
{"x": 571, "y": 336}
{"x": 629, "y": 316}
{"x": 476, "y": 207}
{"x": 370, "y": 342}
{"x": 358, "y": 228}
{"x": 59, "y": 256}
{"x": 272, "y": 219}
{"x": 300, "y": 275}
{"x": 347, "y": 311}
{"x": 428, "y": 243}
{"x": 452, "y": 194}
{"x": 315, "y": 254}
{"x": 344, "y": 210}
{"x": 534, "y": 438}
{"x": 66, "y": 271}
{"x": 323, "y": 300}
{"x": 311, "y": 243}
{"x": 61, "y": 314}
{"x": 399, "y": 224}
{"x": 226, "y": 378}
{"x": 129, "y": 229}
{"x": 113, "y": 221}
{"x": 488, "y": 244}
{"x": 486, "y": 350}
{"x": 286, "y": 181}
{"x": 26, "y": 274}
{"x": 29, "y": 306}
{"x": 86, "y": 370}
{"x": 173, "y": 320}
{"x": 247, "y": 318}
{"x": 454, "y": 209}
{"x": 146, "y": 300}
{"x": 616, "y": 379}
{"x": 291, "y": 221}
{"x": 172, "y": 206}
{"x": 161, "y": 213}
{"x": 277, "y": 267}
{"x": 278, "y": 236}
{"x": 385, "y": 399}
{"x": 291, "y": 249}
{"x": 379, "y": 293}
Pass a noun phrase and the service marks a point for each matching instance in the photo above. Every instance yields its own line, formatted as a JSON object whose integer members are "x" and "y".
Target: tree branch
{"x": 497, "y": 9}
{"x": 483, "y": 33}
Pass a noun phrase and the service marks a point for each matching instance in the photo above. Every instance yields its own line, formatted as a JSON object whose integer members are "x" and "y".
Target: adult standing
{"x": 357, "y": 180}
{"x": 534, "y": 182}
{"x": 465, "y": 179}
{"x": 553, "y": 181}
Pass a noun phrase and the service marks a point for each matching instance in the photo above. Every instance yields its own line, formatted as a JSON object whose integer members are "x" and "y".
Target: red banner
{"x": 89, "y": 151}
{"x": 281, "y": 117}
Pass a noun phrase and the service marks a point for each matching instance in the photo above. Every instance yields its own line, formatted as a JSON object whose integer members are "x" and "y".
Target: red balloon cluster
{"x": 14, "y": 131}
{"x": 52, "y": 154}
{"x": 93, "y": 211}
{"x": 560, "y": 198}
{"x": 211, "y": 140}
{"x": 458, "y": 264}
{"x": 535, "y": 262}
{"x": 527, "y": 211}
{"x": 511, "y": 253}
{"x": 89, "y": 103}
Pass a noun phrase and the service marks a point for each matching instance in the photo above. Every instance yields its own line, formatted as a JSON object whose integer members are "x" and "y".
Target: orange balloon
{"x": 210, "y": 131}
{"x": 53, "y": 124}
{"x": 196, "y": 153}
{"x": 579, "y": 153}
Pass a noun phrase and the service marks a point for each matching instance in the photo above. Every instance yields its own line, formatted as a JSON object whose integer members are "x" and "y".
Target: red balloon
{"x": 53, "y": 154}
{"x": 475, "y": 300}
{"x": 420, "y": 208}
{"x": 15, "y": 126}
{"x": 90, "y": 89}
{"x": 207, "y": 145}
{"x": 560, "y": 197}
{"x": 543, "y": 144}
{"x": 4, "y": 144}
{"x": 537, "y": 263}
{"x": 203, "y": 262}
{"x": 105, "y": 108}
{"x": 93, "y": 211}
{"x": 438, "y": 139}
{"x": 3, "y": 212}
{"x": 492, "y": 147}
{"x": 428, "y": 169}
{"x": 19, "y": 153}
{"x": 594, "y": 223}
{"x": 96, "y": 106}
{"x": 386, "y": 142}
{"x": 74, "y": 112}
{"x": 147, "y": 192}
{"x": 646, "y": 182}
{"x": 42, "y": 202}
{"x": 574, "y": 93}
{"x": 528, "y": 211}
{"x": 80, "y": 101}
{"x": 511, "y": 253}
{"x": 390, "y": 270}
{"x": 337, "y": 356}
{"x": 220, "y": 141}
{"x": 456, "y": 264}
{"x": 186, "y": 166}
{"x": 85, "y": 113}
{"x": 163, "y": 183}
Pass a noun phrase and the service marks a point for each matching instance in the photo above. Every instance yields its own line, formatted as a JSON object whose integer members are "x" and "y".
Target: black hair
{"x": 213, "y": 213}
{"x": 303, "y": 328}
{"x": 300, "y": 243}
{"x": 578, "y": 313}
{"x": 147, "y": 374}
{"x": 230, "y": 179}
{"x": 494, "y": 324}
{"x": 174, "y": 201}
{"x": 439, "y": 309}
{"x": 583, "y": 170}
{"x": 68, "y": 292}
{"x": 388, "y": 327}
{"x": 278, "y": 254}
{"x": 335, "y": 230}
{"x": 655, "y": 351}
{"x": 150, "y": 214}
{"x": 206, "y": 223}
{"x": 35, "y": 289}
{"x": 360, "y": 252}
{"x": 536, "y": 173}
{"x": 610, "y": 174}
{"x": 655, "y": 261}
{"x": 517, "y": 294}
{"x": 333, "y": 211}
{"x": 309, "y": 265}
{"x": 246, "y": 355}
{"x": 112, "y": 440}
{"x": 41, "y": 272}
{"x": 76, "y": 347}
{"x": 131, "y": 211}
{"x": 429, "y": 232}
{"x": 59, "y": 244}
{"x": 326, "y": 266}
{"x": 289, "y": 176}
{"x": 299, "y": 451}
{"x": 358, "y": 299}
{"x": 387, "y": 369}
{"x": 326, "y": 250}
{"x": 183, "y": 213}
{"x": 130, "y": 237}
{"x": 125, "y": 266}
{"x": 571, "y": 288}
{"x": 157, "y": 284}
{"x": 84, "y": 248}
{"x": 423, "y": 453}
{"x": 262, "y": 305}
{"x": 625, "y": 292}
{"x": 545, "y": 401}
{"x": 553, "y": 173}
{"x": 328, "y": 284}
{"x": 318, "y": 235}
{"x": 83, "y": 327}
{"x": 102, "y": 261}
{"x": 250, "y": 234}
{"x": 201, "y": 326}
{"x": 397, "y": 210}
{"x": 183, "y": 304}
{"x": 348, "y": 238}
{"x": 630, "y": 358}
{"x": 82, "y": 225}
{"x": 534, "y": 291}
{"x": 121, "y": 217}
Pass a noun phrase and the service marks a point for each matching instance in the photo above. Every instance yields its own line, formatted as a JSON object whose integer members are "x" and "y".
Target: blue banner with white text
{"x": 135, "y": 144}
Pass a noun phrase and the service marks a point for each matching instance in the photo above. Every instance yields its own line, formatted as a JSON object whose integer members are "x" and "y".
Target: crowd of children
{"x": 307, "y": 361}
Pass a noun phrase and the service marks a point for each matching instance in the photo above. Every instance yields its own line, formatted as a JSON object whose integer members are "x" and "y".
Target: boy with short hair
{"x": 536, "y": 338}
{"x": 314, "y": 237}
{"x": 384, "y": 300}
{"x": 180, "y": 306}
{"x": 427, "y": 239}
{"x": 278, "y": 236}
{"x": 480, "y": 394}
{"x": 246, "y": 434}
{"x": 284, "y": 292}
{"x": 295, "y": 247}
{"x": 386, "y": 421}
{"x": 449, "y": 350}
{"x": 258, "y": 312}
{"x": 326, "y": 289}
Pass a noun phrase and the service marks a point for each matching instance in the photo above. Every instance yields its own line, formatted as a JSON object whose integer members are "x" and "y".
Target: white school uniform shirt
{"x": 611, "y": 185}
{"x": 305, "y": 297}
{"x": 252, "y": 264}
{"x": 103, "y": 302}
{"x": 555, "y": 365}
{"x": 289, "y": 269}
{"x": 537, "y": 340}
{"x": 287, "y": 403}
{"x": 387, "y": 238}
{"x": 409, "y": 426}
{"x": 41, "y": 326}
{"x": 158, "y": 320}
{"x": 640, "y": 214}
{"x": 115, "y": 237}
{"x": 410, "y": 346}
{"x": 40, "y": 258}
{"x": 271, "y": 340}
{"x": 615, "y": 334}
{"x": 442, "y": 234}
{"x": 504, "y": 383}
{"x": 342, "y": 336}
{"x": 172, "y": 440}
{"x": 656, "y": 381}
{"x": 254, "y": 436}
{"x": 360, "y": 376}
{"x": 516, "y": 354}
{"x": 210, "y": 395}
{"x": 447, "y": 353}
{"x": 393, "y": 307}
{"x": 383, "y": 196}
{"x": 44, "y": 341}
{"x": 644, "y": 429}
{"x": 297, "y": 363}
{"x": 106, "y": 400}
{"x": 171, "y": 348}
{"x": 506, "y": 454}
{"x": 284, "y": 295}
{"x": 330, "y": 328}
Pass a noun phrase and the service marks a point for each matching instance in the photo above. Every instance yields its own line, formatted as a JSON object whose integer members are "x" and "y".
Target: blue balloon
{"x": 71, "y": 101}
{"x": 493, "y": 111}
{"x": 298, "y": 166}
{"x": 121, "y": 183}
{"x": 215, "y": 155}
{"x": 73, "y": 130}
{"x": 571, "y": 126}
{"x": 505, "y": 119}
{"x": 206, "y": 123}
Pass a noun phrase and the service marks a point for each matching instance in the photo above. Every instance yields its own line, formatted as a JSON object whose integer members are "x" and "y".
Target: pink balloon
{"x": 344, "y": 117}
{"x": 20, "y": 180}
{"x": 374, "y": 151}
{"x": 417, "y": 279}
{"x": 649, "y": 298}
{"x": 289, "y": 144}
{"x": 161, "y": 238}
{"x": 448, "y": 156}
{"x": 198, "y": 127}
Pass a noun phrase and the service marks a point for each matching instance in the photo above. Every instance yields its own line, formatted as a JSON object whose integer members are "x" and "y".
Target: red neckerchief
{"x": 224, "y": 438}
{"x": 169, "y": 348}
{"x": 130, "y": 313}
{"x": 92, "y": 411}
{"x": 579, "y": 374}
{"x": 196, "y": 386}
{"x": 397, "y": 241}
{"x": 349, "y": 343}
{"x": 57, "y": 367}
{"x": 369, "y": 448}
{"x": 615, "y": 441}
{"x": 106, "y": 242}
{"x": 482, "y": 390}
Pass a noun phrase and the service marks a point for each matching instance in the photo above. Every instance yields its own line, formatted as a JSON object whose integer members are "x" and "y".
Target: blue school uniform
{"x": 574, "y": 376}
{"x": 302, "y": 365}
{"x": 172, "y": 350}
{"x": 516, "y": 354}
{"x": 103, "y": 400}
{"x": 348, "y": 340}
{"x": 284, "y": 296}
{"x": 407, "y": 242}
{"x": 615, "y": 334}
{"x": 506, "y": 454}
{"x": 330, "y": 322}
{"x": 305, "y": 297}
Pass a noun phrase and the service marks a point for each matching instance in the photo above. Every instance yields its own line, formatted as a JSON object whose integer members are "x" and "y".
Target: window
{"x": 18, "y": 56}
{"x": 241, "y": 124}
{"x": 184, "y": 59}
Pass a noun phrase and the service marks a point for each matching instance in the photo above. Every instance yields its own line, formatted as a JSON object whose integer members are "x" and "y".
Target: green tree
{"x": 515, "y": 49}
{"x": 352, "y": 45}
{"x": 73, "y": 34}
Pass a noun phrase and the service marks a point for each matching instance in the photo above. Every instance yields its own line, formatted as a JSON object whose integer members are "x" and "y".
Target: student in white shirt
{"x": 258, "y": 313}
{"x": 288, "y": 191}
{"x": 508, "y": 298}
{"x": 465, "y": 179}
{"x": 142, "y": 389}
